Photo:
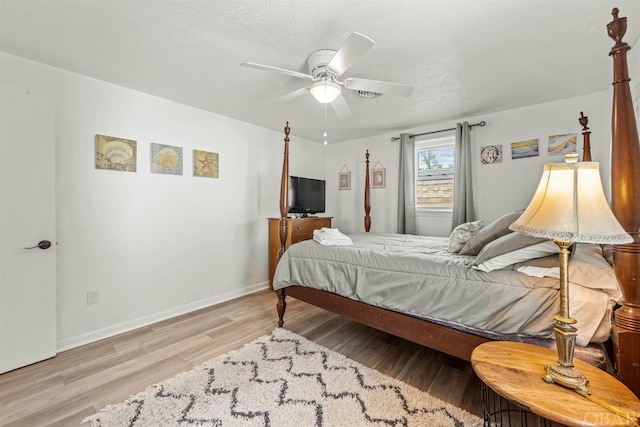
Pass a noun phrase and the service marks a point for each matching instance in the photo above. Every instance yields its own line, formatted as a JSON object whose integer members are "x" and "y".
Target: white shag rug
{"x": 282, "y": 380}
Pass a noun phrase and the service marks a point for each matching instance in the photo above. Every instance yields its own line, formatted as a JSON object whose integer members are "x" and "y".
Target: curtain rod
{"x": 397, "y": 138}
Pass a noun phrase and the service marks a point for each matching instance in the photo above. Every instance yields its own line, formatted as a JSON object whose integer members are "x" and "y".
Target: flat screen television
{"x": 306, "y": 195}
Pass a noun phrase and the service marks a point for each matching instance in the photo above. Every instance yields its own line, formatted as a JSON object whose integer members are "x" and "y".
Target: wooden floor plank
{"x": 65, "y": 389}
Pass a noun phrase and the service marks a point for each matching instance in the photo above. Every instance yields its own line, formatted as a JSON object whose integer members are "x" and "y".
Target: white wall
{"x": 348, "y": 205}
{"x": 153, "y": 245}
{"x": 499, "y": 187}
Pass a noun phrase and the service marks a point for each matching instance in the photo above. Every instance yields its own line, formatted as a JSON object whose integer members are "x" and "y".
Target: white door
{"x": 27, "y": 217}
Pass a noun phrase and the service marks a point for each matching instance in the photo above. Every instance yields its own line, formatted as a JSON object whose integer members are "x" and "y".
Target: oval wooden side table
{"x": 513, "y": 371}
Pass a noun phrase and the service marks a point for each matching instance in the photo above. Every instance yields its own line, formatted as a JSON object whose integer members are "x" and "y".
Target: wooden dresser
{"x": 299, "y": 229}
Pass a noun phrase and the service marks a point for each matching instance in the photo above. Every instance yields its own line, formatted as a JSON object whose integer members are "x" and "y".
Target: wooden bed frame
{"x": 625, "y": 195}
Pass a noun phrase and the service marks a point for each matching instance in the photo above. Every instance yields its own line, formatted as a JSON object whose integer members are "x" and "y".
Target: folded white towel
{"x": 333, "y": 242}
{"x": 333, "y": 237}
{"x": 330, "y": 231}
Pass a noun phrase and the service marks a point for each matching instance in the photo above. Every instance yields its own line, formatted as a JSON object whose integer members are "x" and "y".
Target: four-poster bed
{"x": 460, "y": 342}
{"x": 625, "y": 204}
{"x": 367, "y": 203}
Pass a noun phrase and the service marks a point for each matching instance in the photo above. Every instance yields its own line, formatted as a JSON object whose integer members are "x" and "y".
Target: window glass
{"x": 434, "y": 173}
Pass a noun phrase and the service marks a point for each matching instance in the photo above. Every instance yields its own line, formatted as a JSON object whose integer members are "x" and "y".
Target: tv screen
{"x": 306, "y": 195}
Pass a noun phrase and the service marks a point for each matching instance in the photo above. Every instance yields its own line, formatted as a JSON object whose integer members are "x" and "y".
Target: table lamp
{"x": 569, "y": 207}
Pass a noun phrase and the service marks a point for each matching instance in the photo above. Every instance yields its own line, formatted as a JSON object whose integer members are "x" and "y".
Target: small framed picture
{"x": 166, "y": 159}
{"x": 378, "y": 178}
{"x": 344, "y": 181}
{"x": 205, "y": 164}
{"x": 491, "y": 154}
{"x": 562, "y": 144}
{"x": 116, "y": 154}
{"x": 522, "y": 149}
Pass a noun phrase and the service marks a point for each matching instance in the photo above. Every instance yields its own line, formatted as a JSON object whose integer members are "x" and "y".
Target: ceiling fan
{"x": 327, "y": 65}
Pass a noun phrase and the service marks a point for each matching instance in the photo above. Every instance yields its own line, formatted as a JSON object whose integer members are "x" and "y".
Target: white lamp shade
{"x": 325, "y": 91}
{"x": 570, "y": 205}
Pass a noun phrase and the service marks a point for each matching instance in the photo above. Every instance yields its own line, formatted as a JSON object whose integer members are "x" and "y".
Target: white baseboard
{"x": 79, "y": 340}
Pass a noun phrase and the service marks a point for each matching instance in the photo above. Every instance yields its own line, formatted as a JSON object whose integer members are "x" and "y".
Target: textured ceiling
{"x": 464, "y": 57}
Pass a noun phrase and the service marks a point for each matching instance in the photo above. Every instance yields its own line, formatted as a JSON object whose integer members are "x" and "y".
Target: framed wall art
{"x": 205, "y": 164}
{"x": 562, "y": 144}
{"x": 378, "y": 176}
{"x": 491, "y": 154}
{"x": 116, "y": 154}
{"x": 344, "y": 178}
{"x": 522, "y": 149}
{"x": 166, "y": 159}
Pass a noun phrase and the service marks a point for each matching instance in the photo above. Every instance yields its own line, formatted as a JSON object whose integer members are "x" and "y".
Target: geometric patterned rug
{"x": 282, "y": 379}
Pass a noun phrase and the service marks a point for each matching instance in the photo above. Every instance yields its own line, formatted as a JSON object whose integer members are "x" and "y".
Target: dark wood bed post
{"x": 367, "y": 204}
{"x": 625, "y": 204}
{"x": 586, "y": 136}
{"x": 281, "y": 305}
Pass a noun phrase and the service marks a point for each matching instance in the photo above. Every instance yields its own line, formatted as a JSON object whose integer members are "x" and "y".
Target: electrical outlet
{"x": 92, "y": 297}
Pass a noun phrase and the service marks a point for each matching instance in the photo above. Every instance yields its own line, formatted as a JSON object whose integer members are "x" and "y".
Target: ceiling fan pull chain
{"x": 325, "y": 124}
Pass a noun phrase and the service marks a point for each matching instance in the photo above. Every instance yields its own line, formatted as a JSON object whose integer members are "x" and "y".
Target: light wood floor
{"x": 63, "y": 390}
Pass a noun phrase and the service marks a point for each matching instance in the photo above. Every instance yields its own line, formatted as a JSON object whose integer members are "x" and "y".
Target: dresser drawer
{"x": 302, "y": 229}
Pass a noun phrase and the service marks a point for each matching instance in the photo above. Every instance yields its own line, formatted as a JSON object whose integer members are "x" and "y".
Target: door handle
{"x": 43, "y": 244}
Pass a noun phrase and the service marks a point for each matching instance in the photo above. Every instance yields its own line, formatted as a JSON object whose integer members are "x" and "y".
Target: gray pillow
{"x": 498, "y": 228}
{"x": 538, "y": 250}
{"x": 507, "y": 243}
{"x": 462, "y": 233}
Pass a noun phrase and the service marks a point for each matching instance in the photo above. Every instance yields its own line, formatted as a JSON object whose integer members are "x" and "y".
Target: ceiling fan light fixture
{"x": 325, "y": 91}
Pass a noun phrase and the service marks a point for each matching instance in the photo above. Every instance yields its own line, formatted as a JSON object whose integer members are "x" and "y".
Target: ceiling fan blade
{"x": 278, "y": 70}
{"x": 352, "y": 49}
{"x": 385, "y": 88}
{"x": 340, "y": 108}
{"x": 293, "y": 95}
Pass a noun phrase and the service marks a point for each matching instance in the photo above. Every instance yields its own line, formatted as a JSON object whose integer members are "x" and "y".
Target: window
{"x": 434, "y": 173}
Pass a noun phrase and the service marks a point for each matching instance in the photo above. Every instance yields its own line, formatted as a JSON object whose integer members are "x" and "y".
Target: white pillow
{"x": 530, "y": 252}
{"x": 462, "y": 233}
{"x": 587, "y": 267}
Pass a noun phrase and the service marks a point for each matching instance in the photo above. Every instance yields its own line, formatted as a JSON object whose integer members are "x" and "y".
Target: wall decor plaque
{"x": 117, "y": 154}
{"x": 205, "y": 164}
{"x": 166, "y": 159}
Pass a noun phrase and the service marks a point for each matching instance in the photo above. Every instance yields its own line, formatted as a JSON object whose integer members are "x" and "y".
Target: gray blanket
{"x": 416, "y": 275}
